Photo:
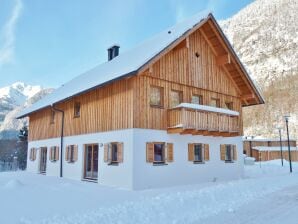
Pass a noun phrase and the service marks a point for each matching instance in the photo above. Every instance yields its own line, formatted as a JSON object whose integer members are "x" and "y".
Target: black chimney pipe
{"x": 113, "y": 52}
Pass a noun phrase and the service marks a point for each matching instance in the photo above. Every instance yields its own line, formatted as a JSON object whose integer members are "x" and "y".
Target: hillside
{"x": 265, "y": 36}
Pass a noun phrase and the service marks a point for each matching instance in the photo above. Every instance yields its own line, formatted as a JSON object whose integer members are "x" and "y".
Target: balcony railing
{"x": 200, "y": 119}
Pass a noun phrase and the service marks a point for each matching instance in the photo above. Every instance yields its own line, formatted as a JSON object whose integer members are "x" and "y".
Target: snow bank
{"x": 13, "y": 184}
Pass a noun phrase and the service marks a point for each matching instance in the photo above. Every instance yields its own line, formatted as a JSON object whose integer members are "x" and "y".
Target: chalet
{"x": 165, "y": 113}
{"x": 270, "y": 149}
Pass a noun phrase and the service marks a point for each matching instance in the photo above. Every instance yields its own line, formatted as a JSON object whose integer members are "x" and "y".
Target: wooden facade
{"x": 199, "y": 64}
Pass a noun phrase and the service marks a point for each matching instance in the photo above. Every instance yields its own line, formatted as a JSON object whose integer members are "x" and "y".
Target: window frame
{"x": 77, "y": 105}
{"x": 202, "y": 153}
{"x": 229, "y": 105}
{"x": 230, "y": 147}
{"x": 161, "y": 96}
{"x": 70, "y": 153}
{"x": 200, "y": 97}
{"x": 52, "y": 118}
{"x": 180, "y": 95}
{"x": 217, "y": 100}
{"x": 163, "y": 161}
{"x": 53, "y": 156}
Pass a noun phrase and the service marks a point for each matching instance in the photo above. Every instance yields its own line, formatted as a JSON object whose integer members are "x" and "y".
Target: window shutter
{"x": 106, "y": 153}
{"x": 234, "y": 152}
{"x": 75, "y": 153}
{"x": 67, "y": 153}
{"x": 206, "y": 152}
{"x": 150, "y": 152}
{"x": 191, "y": 152}
{"x": 57, "y": 153}
{"x": 170, "y": 152}
{"x": 120, "y": 152}
{"x": 34, "y": 154}
{"x": 223, "y": 152}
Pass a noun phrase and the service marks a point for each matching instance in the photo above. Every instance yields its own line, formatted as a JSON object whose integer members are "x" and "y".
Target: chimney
{"x": 113, "y": 52}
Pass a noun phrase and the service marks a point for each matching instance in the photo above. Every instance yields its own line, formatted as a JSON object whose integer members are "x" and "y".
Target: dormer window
{"x": 77, "y": 109}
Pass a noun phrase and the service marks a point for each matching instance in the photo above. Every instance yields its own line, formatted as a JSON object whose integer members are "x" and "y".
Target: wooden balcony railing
{"x": 200, "y": 119}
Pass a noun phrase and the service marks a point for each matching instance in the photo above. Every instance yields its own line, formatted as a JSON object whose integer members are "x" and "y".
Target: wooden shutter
{"x": 191, "y": 152}
{"x": 170, "y": 152}
{"x": 223, "y": 152}
{"x": 206, "y": 152}
{"x": 106, "y": 153}
{"x": 150, "y": 152}
{"x": 67, "y": 153}
{"x": 57, "y": 153}
{"x": 75, "y": 153}
{"x": 34, "y": 154}
{"x": 120, "y": 152}
{"x": 234, "y": 152}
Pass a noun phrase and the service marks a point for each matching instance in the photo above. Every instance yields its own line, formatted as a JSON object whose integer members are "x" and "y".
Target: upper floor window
{"x": 77, "y": 109}
{"x": 229, "y": 105}
{"x": 156, "y": 96}
{"x": 197, "y": 99}
{"x": 214, "y": 102}
{"x": 52, "y": 117}
{"x": 175, "y": 98}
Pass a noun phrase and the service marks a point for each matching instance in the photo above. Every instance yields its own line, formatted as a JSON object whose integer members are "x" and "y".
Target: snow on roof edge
{"x": 274, "y": 148}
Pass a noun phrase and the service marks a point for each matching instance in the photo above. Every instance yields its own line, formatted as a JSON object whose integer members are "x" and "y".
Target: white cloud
{"x": 7, "y": 47}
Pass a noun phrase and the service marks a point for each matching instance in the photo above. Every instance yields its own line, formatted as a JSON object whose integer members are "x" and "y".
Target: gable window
{"x": 71, "y": 153}
{"x": 77, "y": 109}
{"x": 228, "y": 105}
{"x": 228, "y": 153}
{"x": 113, "y": 153}
{"x": 196, "y": 99}
{"x": 214, "y": 102}
{"x": 52, "y": 117}
{"x": 32, "y": 156}
{"x": 159, "y": 152}
{"x": 198, "y": 152}
{"x": 156, "y": 96}
{"x": 175, "y": 98}
{"x": 54, "y": 153}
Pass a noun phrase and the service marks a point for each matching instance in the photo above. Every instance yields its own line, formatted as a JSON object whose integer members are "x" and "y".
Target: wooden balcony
{"x": 203, "y": 120}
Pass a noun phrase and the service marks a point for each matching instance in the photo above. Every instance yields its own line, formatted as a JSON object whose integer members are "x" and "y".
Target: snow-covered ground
{"x": 267, "y": 194}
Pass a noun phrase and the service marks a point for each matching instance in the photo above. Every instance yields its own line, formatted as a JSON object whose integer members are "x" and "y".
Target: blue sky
{"x": 48, "y": 42}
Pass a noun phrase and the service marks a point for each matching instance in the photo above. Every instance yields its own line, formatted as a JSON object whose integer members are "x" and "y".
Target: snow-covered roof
{"x": 207, "y": 108}
{"x": 266, "y": 140}
{"x": 125, "y": 64}
{"x": 274, "y": 148}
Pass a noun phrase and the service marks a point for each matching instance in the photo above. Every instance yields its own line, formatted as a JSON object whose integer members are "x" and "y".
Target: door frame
{"x": 92, "y": 161}
{"x": 41, "y": 149}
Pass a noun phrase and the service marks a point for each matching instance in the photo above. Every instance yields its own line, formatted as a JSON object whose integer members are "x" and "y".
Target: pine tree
{"x": 22, "y": 145}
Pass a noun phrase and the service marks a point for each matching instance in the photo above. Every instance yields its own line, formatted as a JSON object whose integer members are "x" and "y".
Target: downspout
{"x": 61, "y": 138}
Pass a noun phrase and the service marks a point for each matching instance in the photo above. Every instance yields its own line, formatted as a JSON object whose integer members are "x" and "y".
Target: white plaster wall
{"x": 181, "y": 171}
{"x": 120, "y": 176}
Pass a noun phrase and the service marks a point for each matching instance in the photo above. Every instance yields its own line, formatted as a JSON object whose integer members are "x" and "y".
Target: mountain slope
{"x": 13, "y": 99}
{"x": 265, "y": 36}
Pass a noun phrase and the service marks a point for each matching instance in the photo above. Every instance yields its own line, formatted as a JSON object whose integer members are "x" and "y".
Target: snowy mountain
{"x": 265, "y": 36}
{"x": 13, "y": 99}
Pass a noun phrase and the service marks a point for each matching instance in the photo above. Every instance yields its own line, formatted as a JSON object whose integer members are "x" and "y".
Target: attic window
{"x": 77, "y": 109}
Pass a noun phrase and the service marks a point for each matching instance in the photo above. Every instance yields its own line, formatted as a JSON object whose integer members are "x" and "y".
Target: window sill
{"x": 159, "y": 164}
{"x": 156, "y": 106}
{"x": 113, "y": 164}
{"x": 70, "y": 161}
{"x": 229, "y": 161}
{"x": 198, "y": 162}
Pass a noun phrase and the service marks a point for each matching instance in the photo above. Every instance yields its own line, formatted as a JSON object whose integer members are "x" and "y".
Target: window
{"x": 156, "y": 96}
{"x": 198, "y": 152}
{"x": 159, "y": 152}
{"x": 197, "y": 99}
{"x": 77, "y": 109}
{"x": 113, "y": 153}
{"x": 175, "y": 98}
{"x": 228, "y": 153}
{"x": 71, "y": 153}
{"x": 54, "y": 153}
{"x": 228, "y": 105}
{"x": 33, "y": 154}
{"x": 214, "y": 102}
{"x": 52, "y": 117}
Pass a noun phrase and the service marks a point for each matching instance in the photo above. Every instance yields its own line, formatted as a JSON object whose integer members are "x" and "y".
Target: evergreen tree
{"x": 22, "y": 146}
